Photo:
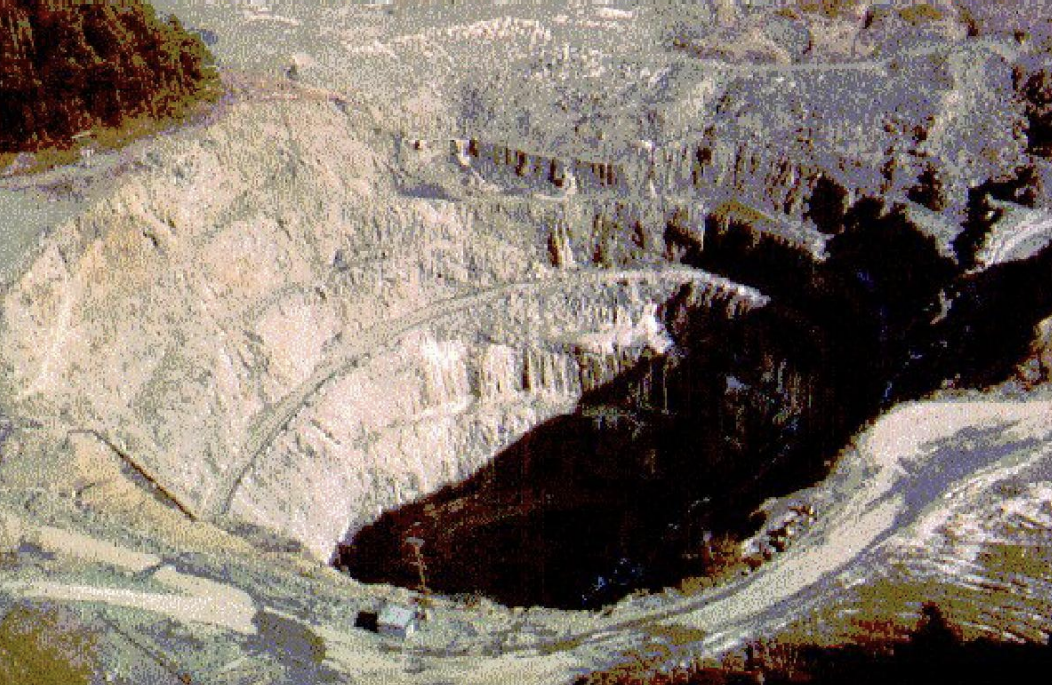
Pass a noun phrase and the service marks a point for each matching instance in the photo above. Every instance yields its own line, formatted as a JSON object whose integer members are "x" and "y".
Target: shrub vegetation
{"x": 933, "y": 653}
{"x": 45, "y": 646}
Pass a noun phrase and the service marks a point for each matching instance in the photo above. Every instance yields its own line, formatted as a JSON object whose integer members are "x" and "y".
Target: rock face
{"x": 343, "y": 294}
{"x": 317, "y": 350}
{"x": 429, "y": 408}
{"x": 70, "y": 66}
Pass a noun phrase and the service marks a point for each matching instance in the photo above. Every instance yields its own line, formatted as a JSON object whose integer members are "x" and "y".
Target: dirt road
{"x": 359, "y": 346}
{"x": 903, "y": 478}
{"x": 899, "y": 480}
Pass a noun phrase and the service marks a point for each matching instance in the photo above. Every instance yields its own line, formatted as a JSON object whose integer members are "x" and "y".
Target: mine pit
{"x": 676, "y": 325}
{"x": 645, "y": 481}
{"x": 654, "y": 475}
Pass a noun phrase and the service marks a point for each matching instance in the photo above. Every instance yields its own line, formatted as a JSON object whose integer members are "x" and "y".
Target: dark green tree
{"x": 67, "y": 66}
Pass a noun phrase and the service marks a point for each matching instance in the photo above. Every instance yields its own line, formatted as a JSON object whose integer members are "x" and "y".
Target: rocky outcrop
{"x": 314, "y": 315}
{"x": 432, "y": 407}
{"x": 338, "y": 331}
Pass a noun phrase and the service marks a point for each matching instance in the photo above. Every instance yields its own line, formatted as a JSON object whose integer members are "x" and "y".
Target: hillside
{"x": 662, "y": 331}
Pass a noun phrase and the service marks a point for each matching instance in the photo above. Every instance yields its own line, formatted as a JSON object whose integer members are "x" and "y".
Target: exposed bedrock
{"x": 624, "y": 490}
{"x": 583, "y": 346}
{"x": 307, "y": 343}
{"x": 432, "y": 406}
{"x": 314, "y": 343}
{"x": 640, "y": 483}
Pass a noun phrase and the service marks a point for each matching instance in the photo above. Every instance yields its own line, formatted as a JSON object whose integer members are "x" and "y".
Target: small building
{"x": 397, "y": 621}
{"x": 367, "y": 620}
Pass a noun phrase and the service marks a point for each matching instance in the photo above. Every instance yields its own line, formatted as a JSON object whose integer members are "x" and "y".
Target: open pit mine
{"x": 545, "y": 342}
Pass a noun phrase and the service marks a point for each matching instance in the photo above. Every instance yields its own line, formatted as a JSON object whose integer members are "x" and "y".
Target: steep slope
{"x": 313, "y": 303}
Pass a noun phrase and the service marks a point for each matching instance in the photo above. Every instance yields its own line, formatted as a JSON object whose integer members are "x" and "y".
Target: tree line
{"x": 70, "y": 65}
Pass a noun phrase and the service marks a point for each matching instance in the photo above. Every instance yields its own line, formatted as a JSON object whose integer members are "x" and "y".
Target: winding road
{"x": 906, "y": 473}
{"x": 274, "y": 420}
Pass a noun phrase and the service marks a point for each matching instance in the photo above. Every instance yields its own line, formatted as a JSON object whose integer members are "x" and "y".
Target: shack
{"x": 397, "y": 621}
